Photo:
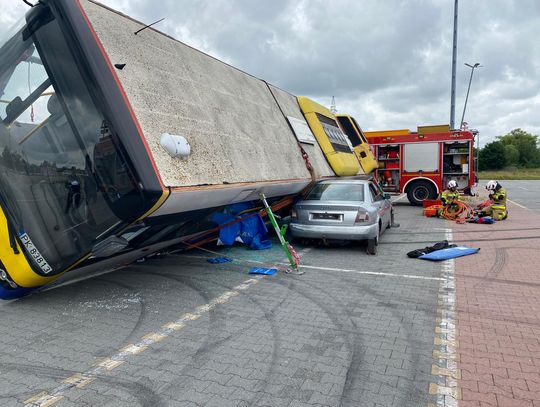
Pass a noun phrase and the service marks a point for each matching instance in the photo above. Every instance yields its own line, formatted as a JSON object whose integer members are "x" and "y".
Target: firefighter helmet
{"x": 492, "y": 185}
{"x": 452, "y": 184}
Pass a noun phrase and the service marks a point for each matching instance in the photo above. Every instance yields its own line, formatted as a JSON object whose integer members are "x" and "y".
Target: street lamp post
{"x": 477, "y": 65}
{"x": 454, "y": 58}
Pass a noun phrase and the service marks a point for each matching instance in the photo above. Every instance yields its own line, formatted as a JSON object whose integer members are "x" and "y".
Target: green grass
{"x": 522, "y": 173}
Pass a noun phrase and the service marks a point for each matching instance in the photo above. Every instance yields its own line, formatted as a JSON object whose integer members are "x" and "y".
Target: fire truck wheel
{"x": 419, "y": 190}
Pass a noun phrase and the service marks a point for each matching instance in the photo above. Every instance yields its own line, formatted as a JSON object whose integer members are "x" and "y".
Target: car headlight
{"x": 5, "y": 279}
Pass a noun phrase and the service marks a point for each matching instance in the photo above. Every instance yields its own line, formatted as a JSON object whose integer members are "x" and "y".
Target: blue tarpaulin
{"x": 250, "y": 230}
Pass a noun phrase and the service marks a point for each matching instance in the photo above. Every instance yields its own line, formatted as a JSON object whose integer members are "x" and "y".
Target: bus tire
{"x": 419, "y": 190}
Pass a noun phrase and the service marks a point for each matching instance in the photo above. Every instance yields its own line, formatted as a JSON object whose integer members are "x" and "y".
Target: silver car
{"x": 344, "y": 209}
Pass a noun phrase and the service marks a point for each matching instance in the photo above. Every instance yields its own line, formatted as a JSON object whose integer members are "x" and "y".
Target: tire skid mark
{"x": 393, "y": 309}
{"x": 46, "y": 399}
{"x": 354, "y": 372}
{"x": 140, "y": 299}
{"x": 352, "y": 337}
{"x": 411, "y": 391}
{"x": 140, "y": 391}
{"x": 498, "y": 265}
{"x": 268, "y": 316}
{"x": 214, "y": 323}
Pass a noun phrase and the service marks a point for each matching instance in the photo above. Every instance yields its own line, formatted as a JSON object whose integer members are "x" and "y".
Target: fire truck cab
{"x": 421, "y": 163}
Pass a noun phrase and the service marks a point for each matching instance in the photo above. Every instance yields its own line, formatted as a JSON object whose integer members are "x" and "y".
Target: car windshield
{"x": 337, "y": 192}
{"x": 61, "y": 173}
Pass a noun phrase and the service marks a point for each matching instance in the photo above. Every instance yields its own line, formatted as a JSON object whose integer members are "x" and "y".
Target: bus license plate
{"x": 36, "y": 255}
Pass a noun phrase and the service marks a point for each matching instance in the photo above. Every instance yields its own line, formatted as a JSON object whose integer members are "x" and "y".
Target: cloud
{"x": 387, "y": 63}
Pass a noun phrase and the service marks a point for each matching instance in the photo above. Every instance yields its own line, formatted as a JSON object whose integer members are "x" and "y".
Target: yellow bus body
{"x": 17, "y": 265}
{"x": 363, "y": 152}
{"x": 343, "y": 163}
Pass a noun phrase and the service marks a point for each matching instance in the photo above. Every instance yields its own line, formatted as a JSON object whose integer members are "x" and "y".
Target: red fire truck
{"x": 421, "y": 163}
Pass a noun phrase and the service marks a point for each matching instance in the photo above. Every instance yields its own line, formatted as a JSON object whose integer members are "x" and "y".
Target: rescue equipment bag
{"x": 414, "y": 254}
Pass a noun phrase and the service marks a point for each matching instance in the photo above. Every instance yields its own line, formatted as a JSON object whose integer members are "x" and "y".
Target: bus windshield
{"x": 63, "y": 175}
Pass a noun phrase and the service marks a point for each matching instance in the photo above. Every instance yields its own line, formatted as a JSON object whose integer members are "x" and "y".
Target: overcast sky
{"x": 388, "y": 63}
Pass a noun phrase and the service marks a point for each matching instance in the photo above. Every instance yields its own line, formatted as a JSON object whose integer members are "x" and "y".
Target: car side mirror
{"x": 386, "y": 195}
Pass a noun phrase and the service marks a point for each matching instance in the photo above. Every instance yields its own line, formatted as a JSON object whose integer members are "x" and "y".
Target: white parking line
{"x": 515, "y": 203}
{"x": 372, "y": 273}
{"x": 399, "y": 198}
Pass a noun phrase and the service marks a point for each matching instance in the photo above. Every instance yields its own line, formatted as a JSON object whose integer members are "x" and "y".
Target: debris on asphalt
{"x": 414, "y": 254}
{"x": 264, "y": 271}
{"x": 218, "y": 260}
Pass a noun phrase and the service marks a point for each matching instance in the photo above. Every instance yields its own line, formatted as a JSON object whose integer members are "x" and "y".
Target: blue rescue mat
{"x": 450, "y": 253}
{"x": 266, "y": 272}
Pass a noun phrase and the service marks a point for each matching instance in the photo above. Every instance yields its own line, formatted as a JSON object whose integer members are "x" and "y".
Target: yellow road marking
{"x": 444, "y": 342}
{"x": 448, "y": 356}
{"x": 110, "y": 364}
{"x": 175, "y": 326}
{"x": 453, "y": 392}
{"x": 446, "y": 387}
{"x": 442, "y": 371}
{"x": 43, "y": 399}
{"x": 79, "y": 380}
{"x": 190, "y": 317}
{"x": 133, "y": 349}
{"x": 451, "y": 331}
{"x": 154, "y": 337}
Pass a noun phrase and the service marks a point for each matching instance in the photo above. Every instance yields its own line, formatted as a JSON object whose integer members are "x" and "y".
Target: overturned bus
{"x": 115, "y": 140}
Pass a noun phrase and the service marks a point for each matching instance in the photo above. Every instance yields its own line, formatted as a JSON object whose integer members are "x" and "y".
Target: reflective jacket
{"x": 448, "y": 197}
{"x": 499, "y": 198}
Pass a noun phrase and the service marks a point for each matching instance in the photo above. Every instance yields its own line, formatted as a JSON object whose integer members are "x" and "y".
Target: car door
{"x": 382, "y": 205}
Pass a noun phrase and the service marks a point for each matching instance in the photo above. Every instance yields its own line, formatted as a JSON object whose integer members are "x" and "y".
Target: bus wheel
{"x": 420, "y": 190}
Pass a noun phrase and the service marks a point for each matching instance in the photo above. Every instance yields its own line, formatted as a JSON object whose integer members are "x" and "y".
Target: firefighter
{"x": 450, "y": 195}
{"x": 450, "y": 199}
{"x": 497, "y": 195}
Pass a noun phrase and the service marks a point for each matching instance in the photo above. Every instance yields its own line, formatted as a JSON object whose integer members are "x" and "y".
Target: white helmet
{"x": 452, "y": 184}
{"x": 491, "y": 185}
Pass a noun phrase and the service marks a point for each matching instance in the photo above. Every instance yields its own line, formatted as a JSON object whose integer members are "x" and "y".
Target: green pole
{"x": 280, "y": 232}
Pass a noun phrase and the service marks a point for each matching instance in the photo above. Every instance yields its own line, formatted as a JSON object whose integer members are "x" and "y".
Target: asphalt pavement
{"x": 354, "y": 330}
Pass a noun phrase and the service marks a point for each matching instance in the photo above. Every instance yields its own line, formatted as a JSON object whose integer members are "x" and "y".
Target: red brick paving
{"x": 498, "y": 312}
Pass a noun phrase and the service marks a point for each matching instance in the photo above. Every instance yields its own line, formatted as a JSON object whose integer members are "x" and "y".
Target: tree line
{"x": 517, "y": 149}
